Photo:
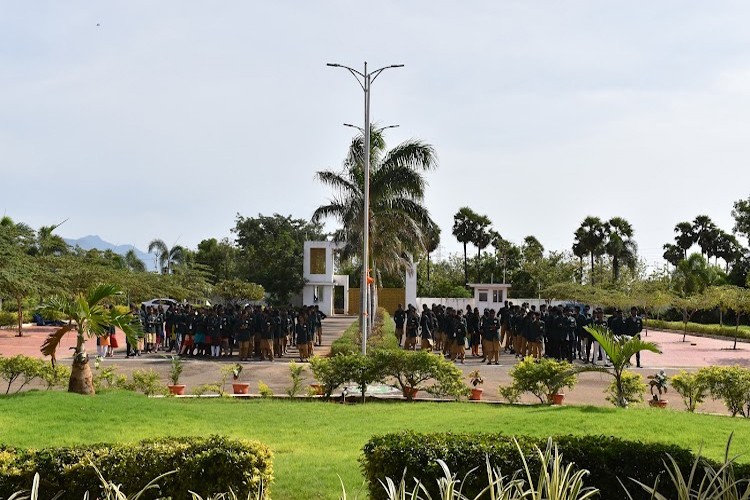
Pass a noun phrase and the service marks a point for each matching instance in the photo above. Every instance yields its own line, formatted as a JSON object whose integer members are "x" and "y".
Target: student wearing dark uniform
{"x": 399, "y": 317}
{"x": 536, "y": 330}
{"x": 450, "y": 331}
{"x": 266, "y": 337}
{"x": 425, "y": 323}
{"x": 412, "y": 330}
{"x": 633, "y": 328}
{"x": 243, "y": 334}
{"x": 458, "y": 351}
{"x": 319, "y": 317}
{"x": 301, "y": 337}
{"x": 472, "y": 323}
{"x": 570, "y": 339}
{"x": 492, "y": 335}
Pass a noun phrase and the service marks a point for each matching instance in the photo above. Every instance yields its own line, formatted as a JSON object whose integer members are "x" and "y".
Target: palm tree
{"x": 464, "y": 229}
{"x": 133, "y": 262}
{"x": 88, "y": 315}
{"x": 673, "y": 254}
{"x": 166, "y": 256}
{"x": 16, "y": 234}
{"x": 482, "y": 239}
{"x": 705, "y": 234}
{"x": 432, "y": 241}
{"x": 399, "y": 222}
{"x": 580, "y": 252}
{"x": 684, "y": 237}
{"x": 620, "y": 245}
{"x": 727, "y": 248}
{"x": 48, "y": 243}
{"x": 591, "y": 236}
{"x": 620, "y": 350}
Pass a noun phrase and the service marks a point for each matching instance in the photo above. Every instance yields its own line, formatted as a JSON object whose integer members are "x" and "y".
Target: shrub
{"x": 176, "y": 366}
{"x": 54, "y": 375}
{"x": 264, "y": 390}
{"x": 633, "y": 388}
{"x": 511, "y": 393}
{"x": 606, "y": 458}
{"x": 207, "y": 389}
{"x": 412, "y": 369}
{"x": 20, "y": 368}
{"x": 203, "y": 465}
{"x": 108, "y": 378}
{"x": 329, "y": 373}
{"x": 147, "y": 382}
{"x": 710, "y": 330}
{"x": 692, "y": 388}
{"x": 731, "y": 384}
{"x": 543, "y": 377}
{"x": 295, "y": 372}
{"x": 383, "y": 336}
{"x": 8, "y": 319}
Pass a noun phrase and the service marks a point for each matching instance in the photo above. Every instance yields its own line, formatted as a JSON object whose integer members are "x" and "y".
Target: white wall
{"x": 454, "y": 303}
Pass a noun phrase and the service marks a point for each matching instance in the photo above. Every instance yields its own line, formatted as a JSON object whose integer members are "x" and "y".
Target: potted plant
{"x": 237, "y": 386}
{"x": 658, "y": 384}
{"x": 175, "y": 371}
{"x": 544, "y": 378}
{"x": 476, "y": 379}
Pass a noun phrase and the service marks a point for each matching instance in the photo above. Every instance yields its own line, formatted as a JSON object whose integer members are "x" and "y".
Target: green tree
{"x": 236, "y": 291}
{"x": 483, "y": 235}
{"x": 271, "y": 252}
{"x": 134, "y": 263}
{"x": 741, "y": 214}
{"x": 620, "y": 245}
{"x": 88, "y": 316}
{"x": 590, "y": 236}
{"x": 619, "y": 350}
{"x": 464, "y": 229}
{"x": 432, "y": 241}
{"x": 48, "y": 243}
{"x": 673, "y": 253}
{"x": 705, "y": 232}
{"x": 219, "y": 256}
{"x": 18, "y": 278}
{"x": 685, "y": 237}
{"x": 399, "y": 221}
{"x": 167, "y": 257}
{"x": 693, "y": 275}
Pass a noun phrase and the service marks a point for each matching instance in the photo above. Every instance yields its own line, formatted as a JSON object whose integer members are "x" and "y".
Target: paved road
{"x": 695, "y": 353}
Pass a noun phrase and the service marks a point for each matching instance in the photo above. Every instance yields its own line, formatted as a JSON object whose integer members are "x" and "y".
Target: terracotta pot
{"x": 410, "y": 392}
{"x": 176, "y": 390}
{"x": 240, "y": 387}
{"x": 318, "y": 389}
{"x": 476, "y": 394}
{"x": 661, "y": 403}
{"x": 555, "y": 399}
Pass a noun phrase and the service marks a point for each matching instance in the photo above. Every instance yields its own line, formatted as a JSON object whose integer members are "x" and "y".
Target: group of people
{"x": 521, "y": 330}
{"x": 257, "y": 332}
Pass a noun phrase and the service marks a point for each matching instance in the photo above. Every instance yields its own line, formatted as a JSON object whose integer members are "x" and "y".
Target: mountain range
{"x": 94, "y": 241}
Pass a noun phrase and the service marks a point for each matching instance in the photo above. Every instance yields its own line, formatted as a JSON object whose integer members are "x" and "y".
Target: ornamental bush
{"x": 543, "y": 377}
{"x": 692, "y": 388}
{"x": 608, "y": 459}
{"x": 731, "y": 384}
{"x": 202, "y": 465}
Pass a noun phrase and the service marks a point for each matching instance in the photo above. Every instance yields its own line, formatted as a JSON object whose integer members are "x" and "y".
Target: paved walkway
{"x": 692, "y": 354}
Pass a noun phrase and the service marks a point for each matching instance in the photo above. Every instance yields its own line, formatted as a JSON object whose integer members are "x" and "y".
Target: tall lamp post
{"x": 365, "y": 80}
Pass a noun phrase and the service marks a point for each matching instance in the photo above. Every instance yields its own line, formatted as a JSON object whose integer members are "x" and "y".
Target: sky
{"x": 137, "y": 120}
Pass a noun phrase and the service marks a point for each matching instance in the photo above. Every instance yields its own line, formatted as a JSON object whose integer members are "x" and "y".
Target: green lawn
{"x": 313, "y": 442}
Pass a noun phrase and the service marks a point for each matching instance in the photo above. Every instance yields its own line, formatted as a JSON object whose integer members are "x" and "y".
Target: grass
{"x": 713, "y": 330}
{"x": 314, "y": 442}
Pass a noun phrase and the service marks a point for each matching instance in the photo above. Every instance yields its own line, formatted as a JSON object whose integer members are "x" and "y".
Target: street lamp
{"x": 365, "y": 79}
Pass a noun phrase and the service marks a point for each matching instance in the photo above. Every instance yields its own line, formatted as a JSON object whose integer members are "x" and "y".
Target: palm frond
{"x": 50, "y": 344}
{"x": 101, "y": 292}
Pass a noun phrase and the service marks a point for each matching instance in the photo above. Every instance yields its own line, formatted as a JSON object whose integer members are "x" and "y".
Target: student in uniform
{"x": 536, "y": 330}
{"x": 492, "y": 334}
{"x": 244, "y": 335}
{"x": 633, "y": 328}
{"x": 301, "y": 337}
{"x": 399, "y": 317}
{"x": 425, "y": 323}
{"x": 319, "y": 317}
{"x": 412, "y": 329}
{"x": 472, "y": 324}
{"x": 458, "y": 351}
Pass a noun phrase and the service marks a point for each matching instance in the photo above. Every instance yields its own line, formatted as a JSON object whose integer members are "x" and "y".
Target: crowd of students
{"x": 256, "y": 332}
{"x": 520, "y": 330}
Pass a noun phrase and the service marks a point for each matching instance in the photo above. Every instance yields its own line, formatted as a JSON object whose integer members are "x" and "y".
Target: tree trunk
{"x": 81, "y": 380}
{"x": 466, "y": 267}
{"x": 616, "y": 268}
{"x": 479, "y": 265}
{"x": 19, "y": 305}
{"x": 592, "y": 268}
{"x": 428, "y": 269}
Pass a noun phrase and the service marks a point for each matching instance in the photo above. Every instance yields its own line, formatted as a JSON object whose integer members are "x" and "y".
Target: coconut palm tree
{"x": 684, "y": 237}
{"x": 88, "y": 316}
{"x": 133, "y": 262}
{"x": 620, "y": 245}
{"x": 620, "y": 350}
{"x": 166, "y": 256}
{"x": 464, "y": 229}
{"x": 482, "y": 238}
{"x": 431, "y": 244}
{"x": 399, "y": 222}
{"x": 590, "y": 237}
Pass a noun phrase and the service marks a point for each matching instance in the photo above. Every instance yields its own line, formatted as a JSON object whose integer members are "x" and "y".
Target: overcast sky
{"x": 142, "y": 119}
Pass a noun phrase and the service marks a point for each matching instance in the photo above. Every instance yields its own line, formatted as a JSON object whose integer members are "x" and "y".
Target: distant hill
{"x": 94, "y": 241}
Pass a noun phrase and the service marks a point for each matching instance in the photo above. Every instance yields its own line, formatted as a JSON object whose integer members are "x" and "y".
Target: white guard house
{"x": 490, "y": 295}
{"x": 323, "y": 288}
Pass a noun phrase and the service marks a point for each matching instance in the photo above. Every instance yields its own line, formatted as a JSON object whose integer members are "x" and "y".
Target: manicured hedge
{"x": 383, "y": 336}
{"x": 606, "y": 458}
{"x": 204, "y": 465}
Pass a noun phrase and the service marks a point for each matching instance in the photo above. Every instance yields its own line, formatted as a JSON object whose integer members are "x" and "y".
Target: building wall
{"x": 389, "y": 298}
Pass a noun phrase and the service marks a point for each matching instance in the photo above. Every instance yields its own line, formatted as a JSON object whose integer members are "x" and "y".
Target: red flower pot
{"x": 555, "y": 399}
{"x": 176, "y": 390}
{"x": 240, "y": 387}
{"x": 476, "y": 394}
